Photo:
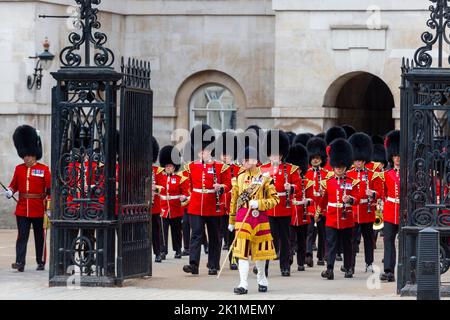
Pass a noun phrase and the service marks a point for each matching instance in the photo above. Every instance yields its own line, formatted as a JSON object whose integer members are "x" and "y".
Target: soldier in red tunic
{"x": 379, "y": 163}
{"x": 209, "y": 179}
{"x": 300, "y": 219}
{"x": 33, "y": 182}
{"x": 340, "y": 193}
{"x": 173, "y": 196}
{"x": 315, "y": 174}
{"x": 391, "y": 213}
{"x": 287, "y": 181}
{"x": 371, "y": 186}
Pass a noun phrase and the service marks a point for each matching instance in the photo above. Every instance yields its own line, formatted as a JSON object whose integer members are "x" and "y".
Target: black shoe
{"x": 190, "y": 268}
{"x": 212, "y": 272}
{"x": 338, "y": 257}
{"x": 255, "y": 270}
{"x": 390, "y": 277}
{"x": 348, "y": 274}
{"x": 309, "y": 261}
{"x": 285, "y": 273}
{"x": 343, "y": 269}
{"x": 233, "y": 266}
{"x": 314, "y": 247}
{"x": 177, "y": 255}
{"x": 18, "y": 266}
{"x": 320, "y": 262}
{"x": 301, "y": 268}
{"x": 206, "y": 250}
{"x": 158, "y": 258}
{"x": 185, "y": 253}
{"x": 328, "y": 274}
{"x": 240, "y": 290}
{"x": 40, "y": 267}
{"x": 262, "y": 288}
{"x": 163, "y": 256}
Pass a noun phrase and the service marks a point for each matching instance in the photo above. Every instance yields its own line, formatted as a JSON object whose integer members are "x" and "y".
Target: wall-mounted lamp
{"x": 44, "y": 61}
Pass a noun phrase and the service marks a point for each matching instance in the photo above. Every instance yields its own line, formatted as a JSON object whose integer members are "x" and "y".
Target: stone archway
{"x": 197, "y": 80}
{"x": 362, "y": 100}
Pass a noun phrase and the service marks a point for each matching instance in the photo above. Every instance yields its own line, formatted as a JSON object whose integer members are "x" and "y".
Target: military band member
{"x": 300, "y": 220}
{"x": 391, "y": 204}
{"x": 173, "y": 196}
{"x": 156, "y": 206}
{"x": 209, "y": 179}
{"x": 286, "y": 180}
{"x": 253, "y": 193}
{"x": 32, "y": 181}
{"x": 371, "y": 186}
{"x": 315, "y": 174}
{"x": 340, "y": 193}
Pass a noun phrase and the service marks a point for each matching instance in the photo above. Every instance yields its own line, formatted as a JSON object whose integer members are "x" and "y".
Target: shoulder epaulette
{"x": 377, "y": 174}
{"x": 182, "y": 177}
{"x": 309, "y": 184}
{"x": 159, "y": 170}
{"x": 355, "y": 182}
{"x": 241, "y": 170}
{"x": 293, "y": 168}
{"x": 323, "y": 183}
{"x": 187, "y": 167}
{"x": 329, "y": 174}
{"x": 224, "y": 167}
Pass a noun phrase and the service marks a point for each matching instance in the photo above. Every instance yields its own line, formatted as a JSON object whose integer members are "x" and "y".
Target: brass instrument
{"x": 217, "y": 192}
{"x": 369, "y": 198}
{"x": 305, "y": 207}
{"x": 288, "y": 200}
{"x": 379, "y": 221}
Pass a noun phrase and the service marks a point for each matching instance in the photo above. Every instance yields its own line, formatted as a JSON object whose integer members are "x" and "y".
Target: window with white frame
{"x": 214, "y": 105}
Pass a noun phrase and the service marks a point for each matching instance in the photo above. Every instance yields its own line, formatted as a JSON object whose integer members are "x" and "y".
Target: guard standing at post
{"x": 287, "y": 180}
{"x": 156, "y": 205}
{"x": 209, "y": 179}
{"x": 391, "y": 204}
{"x": 371, "y": 186}
{"x": 339, "y": 194}
{"x": 33, "y": 182}
{"x": 174, "y": 195}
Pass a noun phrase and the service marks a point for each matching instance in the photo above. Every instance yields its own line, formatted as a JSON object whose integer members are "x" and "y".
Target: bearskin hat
{"x": 226, "y": 144}
{"x": 302, "y": 138}
{"x": 392, "y": 144}
{"x": 349, "y": 130}
{"x": 377, "y": 139}
{"x": 276, "y": 141}
{"x": 187, "y": 153}
{"x": 379, "y": 154}
{"x": 256, "y": 129}
{"x": 247, "y": 139}
{"x": 291, "y": 136}
{"x": 341, "y": 153}
{"x": 298, "y": 155}
{"x": 249, "y": 153}
{"x": 170, "y": 155}
{"x": 317, "y": 147}
{"x": 155, "y": 149}
{"x": 321, "y": 135}
{"x": 202, "y": 137}
{"x": 27, "y": 142}
{"x": 362, "y": 146}
{"x": 334, "y": 133}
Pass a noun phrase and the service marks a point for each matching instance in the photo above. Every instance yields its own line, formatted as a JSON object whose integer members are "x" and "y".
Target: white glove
{"x": 231, "y": 227}
{"x": 48, "y": 213}
{"x": 8, "y": 194}
{"x": 253, "y": 204}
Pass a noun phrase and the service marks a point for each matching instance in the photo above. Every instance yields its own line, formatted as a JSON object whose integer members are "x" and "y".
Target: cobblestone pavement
{"x": 170, "y": 282}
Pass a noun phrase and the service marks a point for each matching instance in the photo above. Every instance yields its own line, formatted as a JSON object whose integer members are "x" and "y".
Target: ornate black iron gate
{"x": 425, "y": 149}
{"x": 100, "y": 185}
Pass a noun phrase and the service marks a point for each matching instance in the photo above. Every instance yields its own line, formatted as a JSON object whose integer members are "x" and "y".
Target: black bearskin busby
{"x": 276, "y": 142}
{"x": 249, "y": 153}
{"x": 247, "y": 139}
{"x": 317, "y": 147}
{"x": 321, "y": 135}
{"x": 377, "y": 139}
{"x": 170, "y": 155}
{"x": 155, "y": 149}
{"x": 188, "y": 153}
{"x": 362, "y": 146}
{"x": 302, "y": 138}
{"x": 27, "y": 142}
{"x": 341, "y": 154}
{"x": 392, "y": 144}
{"x": 349, "y": 130}
{"x": 202, "y": 137}
{"x": 226, "y": 144}
{"x": 379, "y": 154}
{"x": 291, "y": 136}
{"x": 298, "y": 155}
{"x": 334, "y": 133}
{"x": 256, "y": 129}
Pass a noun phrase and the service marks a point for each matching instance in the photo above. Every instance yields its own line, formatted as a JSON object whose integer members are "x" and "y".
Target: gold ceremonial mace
{"x": 234, "y": 241}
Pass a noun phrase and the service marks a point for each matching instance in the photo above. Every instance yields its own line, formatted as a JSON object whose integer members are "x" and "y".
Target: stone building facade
{"x": 300, "y": 65}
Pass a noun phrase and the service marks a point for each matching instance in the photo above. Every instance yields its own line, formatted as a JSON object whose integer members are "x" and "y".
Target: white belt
{"x": 338, "y": 205}
{"x": 204, "y": 190}
{"x": 394, "y": 200}
{"x": 281, "y": 194}
{"x": 170, "y": 197}
{"x": 363, "y": 201}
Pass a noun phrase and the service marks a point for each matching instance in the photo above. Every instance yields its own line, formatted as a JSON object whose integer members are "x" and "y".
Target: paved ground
{"x": 170, "y": 282}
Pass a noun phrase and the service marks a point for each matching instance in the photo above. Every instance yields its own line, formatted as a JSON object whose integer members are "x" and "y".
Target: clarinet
{"x": 288, "y": 200}
{"x": 153, "y": 183}
{"x": 217, "y": 192}
{"x": 366, "y": 177}
{"x": 344, "y": 217}
{"x": 304, "y": 199}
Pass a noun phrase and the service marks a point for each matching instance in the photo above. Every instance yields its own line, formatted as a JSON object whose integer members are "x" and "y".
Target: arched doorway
{"x": 361, "y": 100}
